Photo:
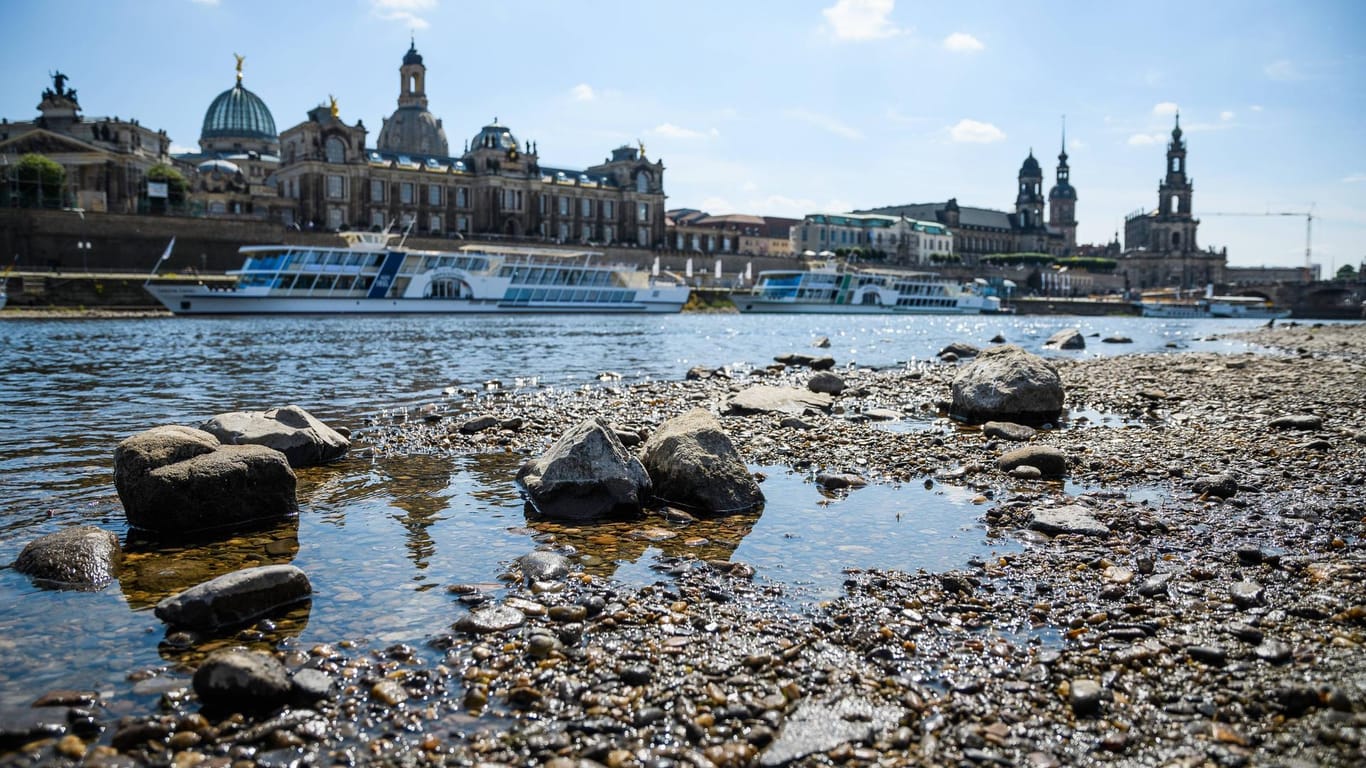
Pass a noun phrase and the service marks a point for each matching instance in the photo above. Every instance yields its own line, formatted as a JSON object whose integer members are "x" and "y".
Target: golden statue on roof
{"x": 641, "y": 144}
{"x": 332, "y": 105}
{"x": 240, "y": 59}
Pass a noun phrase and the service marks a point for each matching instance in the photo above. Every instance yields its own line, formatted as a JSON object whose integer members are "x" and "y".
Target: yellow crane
{"x": 1308, "y": 230}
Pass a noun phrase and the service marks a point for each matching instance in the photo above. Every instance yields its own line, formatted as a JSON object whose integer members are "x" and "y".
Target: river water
{"x": 381, "y": 540}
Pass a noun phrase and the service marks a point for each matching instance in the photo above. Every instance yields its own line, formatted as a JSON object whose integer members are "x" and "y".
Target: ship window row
{"x": 310, "y": 258}
{"x": 357, "y": 285}
{"x": 555, "y": 276}
{"x": 469, "y": 263}
{"x": 919, "y": 302}
{"x": 610, "y": 296}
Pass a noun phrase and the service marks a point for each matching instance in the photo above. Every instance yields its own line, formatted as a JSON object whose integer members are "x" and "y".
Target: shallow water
{"x": 382, "y": 540}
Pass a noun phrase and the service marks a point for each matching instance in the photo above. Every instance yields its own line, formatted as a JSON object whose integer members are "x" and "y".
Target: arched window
{"x": 642, "y": 182}
{"x": 336, "y": 150}
{"x": 1176, "y": 239}
{"x": 1175, "y": 204}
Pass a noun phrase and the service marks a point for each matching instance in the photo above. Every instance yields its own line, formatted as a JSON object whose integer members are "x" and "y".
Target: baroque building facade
{"x": 106, "y": 159}
{"x": 979, "y": 232}
{"x": 496, "y": 187}
{"x": 1160, "y": 248}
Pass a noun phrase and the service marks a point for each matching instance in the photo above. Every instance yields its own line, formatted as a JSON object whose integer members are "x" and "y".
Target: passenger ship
{"x": 371, "y": 276}
{"x": 835, "y": 289}
{"x": 1166, "y": 304}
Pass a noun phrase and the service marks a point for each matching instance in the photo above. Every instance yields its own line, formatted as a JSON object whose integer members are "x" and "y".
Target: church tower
{"x": 1173, "y": 228}
{"x": 412, "y": 130}
{"x": 1029, "y": 201}
{"x": 1062, "y": 200}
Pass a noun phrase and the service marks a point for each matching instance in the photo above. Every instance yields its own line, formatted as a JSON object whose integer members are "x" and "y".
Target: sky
{"x": 790, "y": 107}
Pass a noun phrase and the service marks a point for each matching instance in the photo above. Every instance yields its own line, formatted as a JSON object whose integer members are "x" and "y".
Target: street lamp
{"x": 84, "y": 247}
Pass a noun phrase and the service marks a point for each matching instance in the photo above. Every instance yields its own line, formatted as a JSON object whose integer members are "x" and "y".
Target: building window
{"x": 462, "y": 224}
{"x": 609, "y": 234}
{"x": 376, "y": 190}
{"x": 377, "y": 219}
{"x": 542, "y": 204}
{"x": 433, "y": 194}
{"x": 587, "y": 232}
{"x": 335, "y": 150}
{"x": 564, "y": 205}
{"x": 564, "y": 231}
{"x": 462, "y": 197}
{"x": 643, "y": 236}
{"x": 609, "y": 209}
{"x": 643, "y": 211}
{"x": 512, "y": 199}
{"x": 334, "y": 218}
{"x": 585, "y": 208}
{"x": 435, "y": 223}
{"x": 642, "y": 182}
{"x": 405, "y": 193}
{"x": 336, "y": 188}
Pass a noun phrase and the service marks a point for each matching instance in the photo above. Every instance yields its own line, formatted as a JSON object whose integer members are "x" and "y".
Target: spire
{"x": 1176, "y": 132}
{"x": 1063, "y": 154}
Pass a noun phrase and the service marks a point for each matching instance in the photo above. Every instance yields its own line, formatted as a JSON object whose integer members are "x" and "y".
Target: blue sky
{"x": 792, "y": 107}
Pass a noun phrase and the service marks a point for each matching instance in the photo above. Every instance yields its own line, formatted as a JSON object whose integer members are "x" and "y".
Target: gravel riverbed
{"x": 1217, "y": 617}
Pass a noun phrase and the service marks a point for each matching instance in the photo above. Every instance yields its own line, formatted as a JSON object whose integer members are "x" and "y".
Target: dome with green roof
{"x": 239, "y": 120}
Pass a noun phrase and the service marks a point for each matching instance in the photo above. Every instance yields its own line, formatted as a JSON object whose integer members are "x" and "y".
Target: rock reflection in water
{"x": 603, "y": 546}
{"x": 153, "y": 570}
{"x": 190, "y": 648}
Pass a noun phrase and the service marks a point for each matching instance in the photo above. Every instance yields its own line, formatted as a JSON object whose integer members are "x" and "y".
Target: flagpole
{"x": 164, "y": 256}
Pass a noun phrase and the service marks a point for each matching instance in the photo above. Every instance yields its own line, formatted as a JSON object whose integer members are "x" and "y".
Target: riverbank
{"x": 1174, "y": 620}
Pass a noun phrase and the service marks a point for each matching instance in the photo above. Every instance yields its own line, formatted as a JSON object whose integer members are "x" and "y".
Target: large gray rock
{"x": 826, "y": 383}
{"x": 1007, "y": 383}
{"x": 1050, "y": 461}
{"x": 236, "y": 598}
{"x": 236, "y": 680}
{"x": 1073, "y": 519}
{"x": 83, "y": 557}
{"x": 820, "y": 726}
{"x": 1007, "y": 430}
{"x": 814, "y": 362}
{"x": 1067, "y": 338}
{"x": 175, "y": 479}
{"x": 291, "y": 430}
{"x": 586, "y": 474}
{"x": 693, "y": 464}
{"x": 787, "y": 400}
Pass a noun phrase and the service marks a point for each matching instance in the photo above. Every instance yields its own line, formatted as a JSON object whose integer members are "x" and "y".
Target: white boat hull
{"x": 198, "y": 300}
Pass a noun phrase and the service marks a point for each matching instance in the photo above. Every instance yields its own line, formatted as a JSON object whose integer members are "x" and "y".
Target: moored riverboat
{"x": 1210, "y": 306}
{"x": 842, "y": 289}
{"x": 371, "y": 276}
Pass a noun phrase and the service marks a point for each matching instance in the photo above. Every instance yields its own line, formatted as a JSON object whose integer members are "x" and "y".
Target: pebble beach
{"x": 1216, "y": 618}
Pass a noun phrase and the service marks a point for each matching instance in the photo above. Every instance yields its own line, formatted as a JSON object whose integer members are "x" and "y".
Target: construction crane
{"x": 1308, "y": 230}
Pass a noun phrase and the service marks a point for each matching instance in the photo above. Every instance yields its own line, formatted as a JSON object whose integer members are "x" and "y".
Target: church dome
{"x": 1063, "y": 191}
{"x": 1031, "y": 166}
{"x": 413, "y": 130}
{"x": 239, "y": 114}
{"x": 412, "y": 56}
{"x": 493, "y": 137}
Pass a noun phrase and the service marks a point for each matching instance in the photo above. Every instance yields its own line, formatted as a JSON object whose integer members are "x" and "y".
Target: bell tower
{"x": 1062, "y": 199}
{"x": 412, "y": 90}
{"x": 1029, "y": 200}
{"x": 1174, "y": 227}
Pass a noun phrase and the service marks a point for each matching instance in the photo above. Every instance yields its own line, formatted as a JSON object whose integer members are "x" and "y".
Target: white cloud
{"x": 671, "y": 131}
{"x": 1355, "y": 178}
{"x": 1076, "y": 144}
{"x": 1226, "y": 115}
{"x": 1256, "y": 107}
{"x": 962, "y": 42}
{"x": 1166, "y": 108}
{"x": 861, "y": 19}
{"x": 825, "y": 123}
{"x": 1282, "y": 69}
{"x": 177, "y": 149}
{"x": 582, "y": 92}
{"x": 974, "y": 132}
{"x": 405, "y": 11}
{"x": 1144, "y": 139}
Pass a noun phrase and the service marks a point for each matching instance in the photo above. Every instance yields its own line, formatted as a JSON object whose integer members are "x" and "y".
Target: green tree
{"x": 40, "y": 180}
{"x": 176, "y": 185}
{"x": 1347, "y": 272}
